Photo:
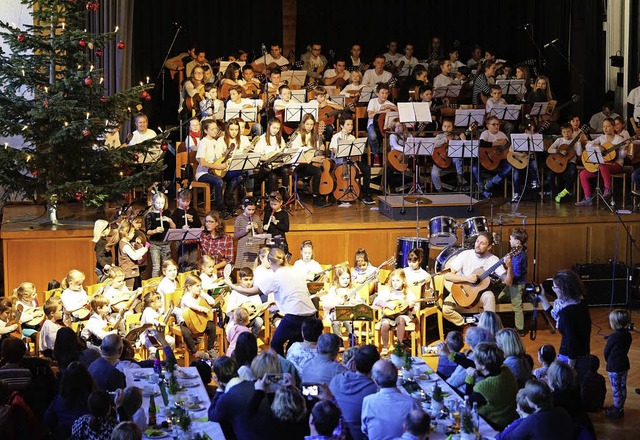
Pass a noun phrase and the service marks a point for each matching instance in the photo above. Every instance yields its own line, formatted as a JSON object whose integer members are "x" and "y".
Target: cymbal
{"x": 420, "y": 200}
{"x": 495, "y": 202}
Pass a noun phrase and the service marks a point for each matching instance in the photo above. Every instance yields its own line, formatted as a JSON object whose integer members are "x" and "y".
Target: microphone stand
{"x": 541, "y": 61}
{"x": 166, "y": 57}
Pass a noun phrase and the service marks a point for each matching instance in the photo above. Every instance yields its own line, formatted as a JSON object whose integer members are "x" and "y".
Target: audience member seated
{"x": 454, "y": 344}
{"x": 103, "y": 370}
{"x": 70, "y": 348}
{"x": 496, "y": 394}
{"x": 301, "y": 353}
{"x": 246, "y": 350}
{"x": 524, "y": 410}
{"x": 100, "y": 422}
{"x": 546, "y": 422}
{"x": 516, "y": 357}
{"x": 127, "y": 431}
{"x": 593, "y": 388}
{"x": 416, "y": 425}
{"x": 383, "y": 412}
{"x": 323, "y": 420}
{"x": 70, "y": 403}
{"x": 473, "y": 337}
{"x": 129, "y": 407}
{"x": 17, "y": 377}
{"x": 562, "y": 381}
{"x": 324, "y": 366}
{"x": 350, "y": 388}
{"x": 281, "y": 408}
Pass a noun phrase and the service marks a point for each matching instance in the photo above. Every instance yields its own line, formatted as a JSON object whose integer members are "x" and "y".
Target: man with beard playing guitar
{"x": 462, "y": 273}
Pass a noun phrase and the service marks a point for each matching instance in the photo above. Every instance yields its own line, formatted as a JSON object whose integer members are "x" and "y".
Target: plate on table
{"x": 415, "y": 360}
{"x": 156, "y": 433}
{"x": 186, "y": 375}
{"x": 190, "y": 384}
{"x": 195, "y": 406}
{"x": 139, "y": 375}
{"x": 154, "y": 393}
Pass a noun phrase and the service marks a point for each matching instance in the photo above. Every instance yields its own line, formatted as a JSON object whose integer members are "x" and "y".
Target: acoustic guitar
{"x": 557, "y": 162}
{"x": 520, "y": 159}
{"x": 131, "y": 304}
{"x": 345, "y": 176}
{"x": 490, "y": 157}
{"x": 318, "y": 276}
{"x": 466, "y": 294}
{"x": 33, "y": 316}
{"x": 441, "y": 153}
{"x": 609, "y": 154}
{"x": 399, "y": 307}
{"x": 326, "y": 180}
{"x": 193, "y": 102}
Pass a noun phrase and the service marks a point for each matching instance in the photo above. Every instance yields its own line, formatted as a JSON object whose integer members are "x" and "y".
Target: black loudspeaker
{"x": 605, "y": 284}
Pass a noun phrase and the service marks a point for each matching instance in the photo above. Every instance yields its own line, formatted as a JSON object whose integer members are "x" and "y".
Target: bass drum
{"x": 404, "y": 246}
{"x": 471, "y": 228}
{"x": 445, "y": 256}
{"x": 442, "y": 231}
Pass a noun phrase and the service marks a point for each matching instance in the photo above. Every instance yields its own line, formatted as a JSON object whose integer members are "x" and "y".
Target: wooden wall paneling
{"x": 559, "y": 246}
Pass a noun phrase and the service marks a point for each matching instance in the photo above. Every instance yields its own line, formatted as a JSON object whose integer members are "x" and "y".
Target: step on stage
{"x": 428, "y": 205}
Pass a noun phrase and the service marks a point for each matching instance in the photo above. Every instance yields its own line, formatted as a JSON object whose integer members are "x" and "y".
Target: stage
{"x": 560, "y": 235}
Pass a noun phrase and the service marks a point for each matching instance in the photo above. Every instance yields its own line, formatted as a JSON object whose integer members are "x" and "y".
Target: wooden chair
{"x": 94, "y": 288}
{"x": 151, "y": 281}
{"x": 183, "y": 276}
{"x": 184, "y": 159}
{"x": 412, "y": 329}
{"x": 51, "y": 293}
{"x": 438, "y": 288}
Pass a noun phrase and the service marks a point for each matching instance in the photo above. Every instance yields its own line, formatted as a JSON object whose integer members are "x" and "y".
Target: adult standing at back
{"x": 572, "y": 320}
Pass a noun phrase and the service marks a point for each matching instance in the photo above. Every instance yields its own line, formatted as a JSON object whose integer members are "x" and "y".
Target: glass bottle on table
{"x": 152, "y": 411}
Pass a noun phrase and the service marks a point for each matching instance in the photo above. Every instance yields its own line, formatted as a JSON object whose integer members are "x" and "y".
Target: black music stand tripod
{"x": 346, "y": 150}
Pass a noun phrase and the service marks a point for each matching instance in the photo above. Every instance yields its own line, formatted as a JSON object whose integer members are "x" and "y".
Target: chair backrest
{"x": 94, "y": 288}
{"x": 182, "y": 159}
{"x": 131, "y": 321}
{"x": 51, "y": 293}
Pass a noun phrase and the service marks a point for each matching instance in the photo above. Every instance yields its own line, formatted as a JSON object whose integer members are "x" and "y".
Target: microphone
{"x": 524, "y": 26}
{"x": 175, "y": 23}
{"x": 551, "y": 43}
{"x": 263, "y": 48}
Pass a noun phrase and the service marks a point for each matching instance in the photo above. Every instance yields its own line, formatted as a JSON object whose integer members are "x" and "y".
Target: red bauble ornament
{"x": 93, "y": 6}
{"x": 136, "y": 157}
{"x": 79, "y": 195}
{"x": 20, "y": 38}
{"x": 86, "y": 132}
{"x": 120, "y": 44}
{"x": 35, "y": 173}
{"x": 99, "y": 52}
{"x": 88, "y": 81}
{"x": 164, "y": 147}
{"x": 103, "y": 99}
{"x": 82, "y": 43}
{"x": 145, "y": 95}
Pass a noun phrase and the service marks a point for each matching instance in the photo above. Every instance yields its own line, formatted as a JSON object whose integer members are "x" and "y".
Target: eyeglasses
{"x": 209, "y": 221}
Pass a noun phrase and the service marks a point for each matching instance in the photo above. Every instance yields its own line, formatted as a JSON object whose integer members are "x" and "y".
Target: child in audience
{"x": 593, "y": 388}
{"x": 152, "y": 314}
{"x": 53, "y": 313}
{"x": 616, "y": 353}
{"x": 74, "y": 298}
{"x": 454, "y": 343}
{"x": 101, "y": 420}
{"x": 546, "y": 355}
{"x": 239, "y": 325}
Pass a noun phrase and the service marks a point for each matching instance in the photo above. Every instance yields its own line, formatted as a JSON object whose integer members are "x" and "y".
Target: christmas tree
{"x": 52, "y": 96}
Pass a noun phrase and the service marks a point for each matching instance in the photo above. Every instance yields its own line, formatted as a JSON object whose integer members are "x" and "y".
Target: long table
{"x": 188, "y": 377}
{"x": 426, "y": 383}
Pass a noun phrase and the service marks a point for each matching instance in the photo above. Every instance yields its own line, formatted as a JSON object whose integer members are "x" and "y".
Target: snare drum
{"x": 472, "y": 227}
{"x": 404, "y": 246}
{"x": 445, "y": 257}
{"x": 442, "y": 231}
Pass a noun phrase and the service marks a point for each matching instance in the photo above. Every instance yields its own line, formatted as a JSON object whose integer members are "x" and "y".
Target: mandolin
{"x": 557, "y": 162}
{"x": 131, "y": 304}
{"x": 398, "y": 307}
{"x": 223, "y": 160}
{"x": 319, "y": 275}
{"x": 465, "y": 294}
{"x": 609, "y": 154}
{"x": 33, "y": 316}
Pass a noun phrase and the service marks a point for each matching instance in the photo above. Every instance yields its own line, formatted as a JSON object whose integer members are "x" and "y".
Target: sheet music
{"x": 414, "y": 112}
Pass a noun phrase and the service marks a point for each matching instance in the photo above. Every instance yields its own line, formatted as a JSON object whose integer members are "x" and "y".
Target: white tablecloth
{"x": 486, "y": 431}
{"x": 138, "y": 378}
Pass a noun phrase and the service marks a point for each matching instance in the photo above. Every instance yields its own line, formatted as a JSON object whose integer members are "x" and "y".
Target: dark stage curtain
{"x": 219, "y": 27}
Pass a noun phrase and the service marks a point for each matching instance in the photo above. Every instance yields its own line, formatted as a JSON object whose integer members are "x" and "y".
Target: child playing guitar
{"x": 396, "y": 301}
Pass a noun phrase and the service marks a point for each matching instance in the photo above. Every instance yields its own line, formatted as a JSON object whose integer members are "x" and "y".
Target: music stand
{"x": 414, "y": 112}
{"x": 295, "y": 112}
{"x": 358, "y": 312}
{"x": 244, "y": 161}
{"x": 246, "y": 114}
{"x": 504, "y": 112}
{"x": 339, "y": 99}
{"x": 295, "y": 78}
{"x": 345, "y": 150}
{"x": 182, "y": 235}
{"x": 293, "y": 157}
{"x": 419, "y": 146}
{"x": 367, "y": 93}
{"x": 466, "y": 118}
{"x": 529, "y": 143}
{"x": 539, "y": 108}
{"x": 450, "y": 91}
{"x": 511, "y": 86}
{"x": 299, "y": 96}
